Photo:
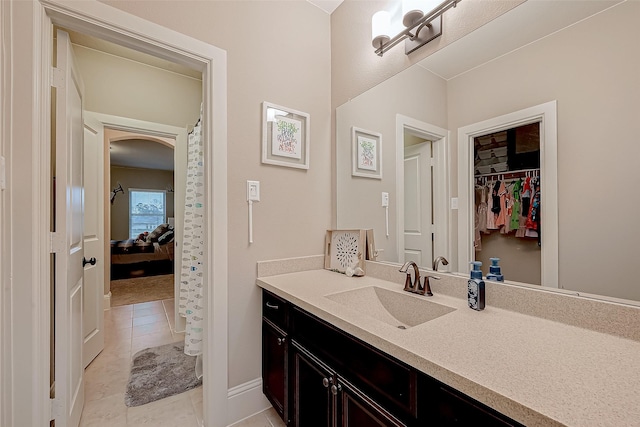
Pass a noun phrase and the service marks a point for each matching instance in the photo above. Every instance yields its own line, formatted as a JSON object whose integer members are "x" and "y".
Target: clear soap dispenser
{"x": 475, "y": 288}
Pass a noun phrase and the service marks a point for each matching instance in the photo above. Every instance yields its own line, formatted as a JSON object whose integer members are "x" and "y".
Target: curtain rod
{"x": 516, "y": 173}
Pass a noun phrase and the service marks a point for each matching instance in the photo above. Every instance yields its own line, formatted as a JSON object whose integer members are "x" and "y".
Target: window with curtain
{"x": 147, "y": 210}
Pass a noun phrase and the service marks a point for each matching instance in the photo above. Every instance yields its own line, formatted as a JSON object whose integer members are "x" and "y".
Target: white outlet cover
{"x": 385, "y": 199}
{"x": 253, "y": 191}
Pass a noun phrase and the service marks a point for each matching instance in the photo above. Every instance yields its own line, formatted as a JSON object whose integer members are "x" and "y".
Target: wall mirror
{"x": 579, "y": 56}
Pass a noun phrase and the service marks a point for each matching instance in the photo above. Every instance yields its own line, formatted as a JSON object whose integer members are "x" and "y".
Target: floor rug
{"x": 141, "y": 289}
{"x": 160, "y": 372}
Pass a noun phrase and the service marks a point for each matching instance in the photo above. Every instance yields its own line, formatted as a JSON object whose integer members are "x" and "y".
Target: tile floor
{"x": 129, "y": 329}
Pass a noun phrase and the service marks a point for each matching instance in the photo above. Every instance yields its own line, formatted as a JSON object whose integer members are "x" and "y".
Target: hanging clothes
{"x": 482, "y": 208}
{"x": 191, "y": 302}
{"x": 491, "y": 208}
{"x": 501, "y": 214}
{"x": 515, "y": 212}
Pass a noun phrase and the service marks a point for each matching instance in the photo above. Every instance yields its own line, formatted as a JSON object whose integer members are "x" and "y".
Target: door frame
{"x": 151, "y": 129}
{"x": 108, "y": 23}
{"x": 441, "y": 190}
{"x": 546, "y": 115}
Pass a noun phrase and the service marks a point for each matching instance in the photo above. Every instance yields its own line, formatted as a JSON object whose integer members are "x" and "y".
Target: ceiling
{"x": 327, "y": 5}
{"x": 140, "y": 153}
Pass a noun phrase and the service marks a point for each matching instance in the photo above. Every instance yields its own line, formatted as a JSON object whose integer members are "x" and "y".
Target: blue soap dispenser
{"x": 475, "y": 287}
{"x": 494, "y": 271}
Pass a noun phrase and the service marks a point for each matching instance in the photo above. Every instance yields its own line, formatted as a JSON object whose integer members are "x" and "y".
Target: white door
{"x": 68, "y": 239}
{"x": 94, "y": 244}
{"x": 418, "y": 213}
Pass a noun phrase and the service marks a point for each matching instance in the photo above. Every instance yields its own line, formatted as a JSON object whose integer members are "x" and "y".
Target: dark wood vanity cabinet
{"x": 320, "y": 397}
{"x": 312, "y": 403}
{"x": 275, "y": 353}
{"x": 441, "y": 405}
{"x": 316, "y": 375}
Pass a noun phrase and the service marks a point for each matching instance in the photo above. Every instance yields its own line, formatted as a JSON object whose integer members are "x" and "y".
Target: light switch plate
{"x": 454, "y": 203}
{"x": 385, "y": 199}
{"x": 253, "y": 191}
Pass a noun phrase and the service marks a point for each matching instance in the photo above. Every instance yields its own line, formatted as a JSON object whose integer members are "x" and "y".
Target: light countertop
{"x": 536, "y": 371}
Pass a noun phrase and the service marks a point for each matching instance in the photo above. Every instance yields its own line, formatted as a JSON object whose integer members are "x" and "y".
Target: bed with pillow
{"x": 147, "y": 255}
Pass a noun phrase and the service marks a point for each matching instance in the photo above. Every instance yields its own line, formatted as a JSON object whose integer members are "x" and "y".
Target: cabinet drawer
{"x": 386, "y": 380}
{"x": 275, "y": 309}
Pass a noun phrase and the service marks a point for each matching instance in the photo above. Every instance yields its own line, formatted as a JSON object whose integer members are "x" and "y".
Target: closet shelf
{"x": 522, "y": 173}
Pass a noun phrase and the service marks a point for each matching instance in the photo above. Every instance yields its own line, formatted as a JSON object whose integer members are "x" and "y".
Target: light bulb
{"x": 380, "y": 26}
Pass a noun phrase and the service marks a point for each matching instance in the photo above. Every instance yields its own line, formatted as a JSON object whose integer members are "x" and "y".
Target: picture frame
{"x": 345, "y": 248}
{"x": 366, "y": 154}
{"x": 285, "y": 136}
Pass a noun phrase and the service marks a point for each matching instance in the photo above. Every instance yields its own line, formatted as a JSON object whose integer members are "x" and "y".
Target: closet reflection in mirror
{"x": 590, "y": 78}
{"x": 507, "y": 201}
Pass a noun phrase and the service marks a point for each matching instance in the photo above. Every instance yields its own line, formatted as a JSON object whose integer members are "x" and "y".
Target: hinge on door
{"x": 56, "y": 409}
{"x": 57, "y": 77}
{"x": 55, "y": 243}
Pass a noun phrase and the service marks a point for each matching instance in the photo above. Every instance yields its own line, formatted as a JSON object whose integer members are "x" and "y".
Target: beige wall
{"x": 354, "y": 65}
{"x": 278, "y": 51}
{"x": 148, "y": 179}
{"x": 595, "y": 77}
{"x": 125, "y": 88}
{"x": 420, "y": 95}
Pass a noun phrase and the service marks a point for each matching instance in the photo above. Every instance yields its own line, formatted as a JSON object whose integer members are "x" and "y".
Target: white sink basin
{"x": 398, "y": 309}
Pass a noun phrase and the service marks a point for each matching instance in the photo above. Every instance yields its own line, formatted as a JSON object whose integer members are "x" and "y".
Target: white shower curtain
{"x": 191, "y": 302}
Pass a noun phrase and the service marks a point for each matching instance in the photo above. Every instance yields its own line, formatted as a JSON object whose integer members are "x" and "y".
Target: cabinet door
{"x": 274, "y": 366}
{"x": 443, "y": 406}
{"x": 358, "y": 410}
{"x": 313, "y": 404}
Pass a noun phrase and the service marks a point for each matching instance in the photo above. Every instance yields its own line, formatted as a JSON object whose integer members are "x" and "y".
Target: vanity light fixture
{"x": 421, "y": 23}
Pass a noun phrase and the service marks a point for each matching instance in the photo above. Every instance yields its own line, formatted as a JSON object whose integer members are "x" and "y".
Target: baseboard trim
{"x": 107, "y": 301}
{"x": 245, "y": 400}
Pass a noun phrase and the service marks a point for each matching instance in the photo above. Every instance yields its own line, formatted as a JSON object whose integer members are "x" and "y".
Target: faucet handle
{"x": 426, "y": 289}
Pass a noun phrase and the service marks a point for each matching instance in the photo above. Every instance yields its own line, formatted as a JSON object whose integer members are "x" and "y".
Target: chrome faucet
{"x": 437, "y": 261}
{"x": 414, "y": 285}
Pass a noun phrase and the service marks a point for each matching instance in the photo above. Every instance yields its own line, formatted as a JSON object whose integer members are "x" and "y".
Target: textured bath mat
{"x": 160, "y": 372}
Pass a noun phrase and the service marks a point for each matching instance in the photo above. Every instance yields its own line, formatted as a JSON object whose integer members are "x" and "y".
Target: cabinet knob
{"x": 335, "y": 389}
{"x": 280, "y": 341}
{"x": 325, "y": 382}
{"x": 273, "y": 306}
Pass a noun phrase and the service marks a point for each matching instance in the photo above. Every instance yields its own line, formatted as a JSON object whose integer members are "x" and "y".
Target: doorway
{"x": 108, "y": 23}
{"x": 506, "y": 201}
{"x": 546, "y": 115}
{"x": 422, "y": 189}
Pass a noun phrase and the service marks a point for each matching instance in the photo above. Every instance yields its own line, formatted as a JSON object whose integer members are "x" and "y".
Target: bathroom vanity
{"x": 317, "y": 375}
{"x": 340, "y": 351}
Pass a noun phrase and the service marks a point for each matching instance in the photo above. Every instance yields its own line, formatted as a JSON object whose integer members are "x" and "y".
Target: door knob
{"x": 92, "y": 261}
